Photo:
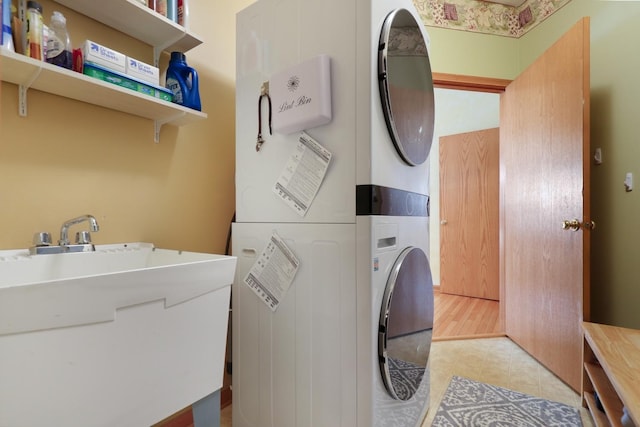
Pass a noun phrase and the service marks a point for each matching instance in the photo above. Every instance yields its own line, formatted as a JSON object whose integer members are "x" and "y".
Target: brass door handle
{"x": 443, "y": 222}
{"x": 573, "y": 225}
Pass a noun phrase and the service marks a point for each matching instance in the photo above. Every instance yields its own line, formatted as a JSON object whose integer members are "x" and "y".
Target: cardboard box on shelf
{"x": 128, "y": 82}
{"x": 104, "y": 56}
{"x": 143, "y": 71}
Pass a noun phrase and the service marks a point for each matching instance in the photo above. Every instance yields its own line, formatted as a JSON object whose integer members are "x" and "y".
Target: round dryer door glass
{"x": 406, "y": 86}
{"x": 406, "y": 324}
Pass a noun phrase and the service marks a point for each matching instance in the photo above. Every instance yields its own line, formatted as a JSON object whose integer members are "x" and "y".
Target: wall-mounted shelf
{"x": 129, "y": 17}
{"x": 138, "y": 21}
{"x": 30, "y": 73}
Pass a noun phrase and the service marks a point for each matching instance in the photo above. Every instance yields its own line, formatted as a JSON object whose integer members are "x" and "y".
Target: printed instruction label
{"x": 273, "y": 272}
{"x": 303, "y": 174}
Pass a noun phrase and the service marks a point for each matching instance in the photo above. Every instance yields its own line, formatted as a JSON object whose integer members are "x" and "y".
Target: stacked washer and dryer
{"x": 348, "y": 344}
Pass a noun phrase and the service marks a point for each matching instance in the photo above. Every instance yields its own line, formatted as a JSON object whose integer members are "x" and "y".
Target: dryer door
{"x": 406, "y": 86}
{"x": 406, "y": 324}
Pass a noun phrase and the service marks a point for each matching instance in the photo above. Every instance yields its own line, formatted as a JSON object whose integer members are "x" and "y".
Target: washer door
{"x": 406, "y": 324}
{"x": 406, "y": 86}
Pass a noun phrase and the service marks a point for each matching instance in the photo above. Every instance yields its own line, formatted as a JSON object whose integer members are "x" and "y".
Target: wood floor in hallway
{"x": 458, "y": 317}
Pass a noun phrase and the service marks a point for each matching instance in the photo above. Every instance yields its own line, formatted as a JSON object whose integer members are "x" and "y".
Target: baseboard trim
{"x": 470, "y": 337}
{"x": 225, "y": 397}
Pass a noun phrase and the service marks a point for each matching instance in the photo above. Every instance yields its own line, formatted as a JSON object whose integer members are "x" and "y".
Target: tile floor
{"x": 496, "y": 361}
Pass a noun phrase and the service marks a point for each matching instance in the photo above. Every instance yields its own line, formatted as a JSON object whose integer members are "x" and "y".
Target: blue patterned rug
{"x": 473, "y": 404}
{"x": 405, "y": 377}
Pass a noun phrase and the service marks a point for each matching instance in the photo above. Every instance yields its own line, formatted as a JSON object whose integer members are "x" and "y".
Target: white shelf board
{"x": 138, "y": 21}
{"x": 20, "y": 70}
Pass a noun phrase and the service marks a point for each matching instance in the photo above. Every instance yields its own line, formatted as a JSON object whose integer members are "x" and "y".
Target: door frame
{"x": 471, "y": 83}
{"x": 490, "y": 85}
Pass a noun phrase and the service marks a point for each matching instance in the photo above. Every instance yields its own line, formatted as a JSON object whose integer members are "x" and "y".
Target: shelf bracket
{"x": 157, "y": 50}
{"x": 22, "y": 93}
{"x": 157, "y": 124}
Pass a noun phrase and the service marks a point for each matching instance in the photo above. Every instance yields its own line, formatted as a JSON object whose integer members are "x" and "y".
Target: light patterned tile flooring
{"x": 496, "y": 361}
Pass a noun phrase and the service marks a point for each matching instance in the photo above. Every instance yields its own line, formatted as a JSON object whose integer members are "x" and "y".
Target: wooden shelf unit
{"x": 611, "y": 360}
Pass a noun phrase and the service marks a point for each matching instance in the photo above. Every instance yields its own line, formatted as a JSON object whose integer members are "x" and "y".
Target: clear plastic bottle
{"x": 59, "y": 50}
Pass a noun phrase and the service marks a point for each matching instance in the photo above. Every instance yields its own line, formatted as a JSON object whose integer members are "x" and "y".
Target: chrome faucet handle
{"x": 83, "y": 238}
{"x": 42, "y": 238}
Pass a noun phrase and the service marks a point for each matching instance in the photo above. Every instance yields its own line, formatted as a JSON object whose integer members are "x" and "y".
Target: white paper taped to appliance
{"x": 303, "y": 174}
{"x": 301, "y": 95}
{"x": 273, "y": 272}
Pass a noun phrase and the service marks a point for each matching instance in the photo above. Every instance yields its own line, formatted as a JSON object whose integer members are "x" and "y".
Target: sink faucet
{"x": 64, "y": 230}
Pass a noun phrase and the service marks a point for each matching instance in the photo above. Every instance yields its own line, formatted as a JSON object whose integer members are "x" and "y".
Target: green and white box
{"x": 104, "y": 56}
{"x": 142, "y": 71}
{"x": 125, "y": 81}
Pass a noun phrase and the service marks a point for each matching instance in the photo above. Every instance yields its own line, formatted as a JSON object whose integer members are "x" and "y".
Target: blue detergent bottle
{"x": 182, "y": 80}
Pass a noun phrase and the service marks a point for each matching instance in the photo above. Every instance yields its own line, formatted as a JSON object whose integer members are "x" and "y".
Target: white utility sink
{"x": 123, "y": 336}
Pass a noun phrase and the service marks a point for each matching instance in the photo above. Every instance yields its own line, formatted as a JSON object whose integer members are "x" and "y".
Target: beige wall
{"x": 68, "y": 158}
{"x": 474, "y": 54}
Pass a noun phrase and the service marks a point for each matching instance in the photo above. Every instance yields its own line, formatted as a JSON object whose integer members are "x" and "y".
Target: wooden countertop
{"x": 618, "y": 351}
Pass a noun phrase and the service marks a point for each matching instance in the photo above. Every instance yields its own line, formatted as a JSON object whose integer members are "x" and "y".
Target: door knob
{"x": 443, "y": 222}
{"x": 573, "y": 225}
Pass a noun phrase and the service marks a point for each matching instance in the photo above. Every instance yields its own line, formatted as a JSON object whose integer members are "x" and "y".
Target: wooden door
{"x": 544, "y": 151}
{"x": 469, "y": 197}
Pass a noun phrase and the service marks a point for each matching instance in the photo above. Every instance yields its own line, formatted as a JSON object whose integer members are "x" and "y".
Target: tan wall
{"x": 474, "y": 54}
{"x": 69, "y": 158}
